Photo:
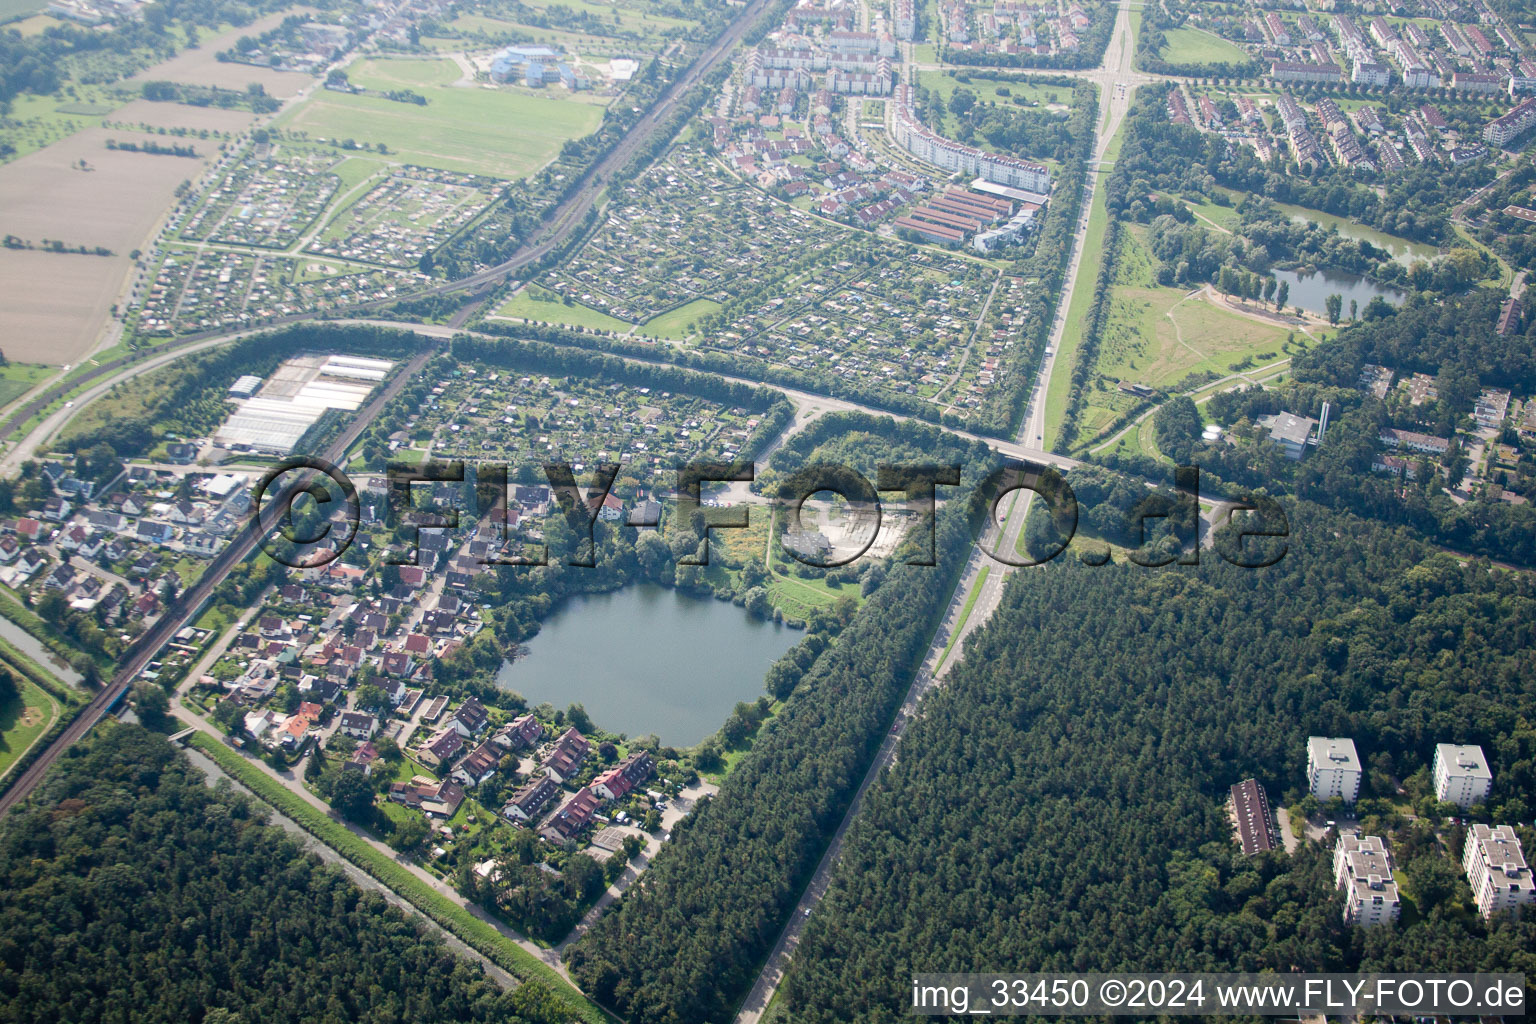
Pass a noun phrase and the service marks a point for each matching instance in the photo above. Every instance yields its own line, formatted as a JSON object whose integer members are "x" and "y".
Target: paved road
{"x": 998, "y": 537}
{"x": 189, "y": 603}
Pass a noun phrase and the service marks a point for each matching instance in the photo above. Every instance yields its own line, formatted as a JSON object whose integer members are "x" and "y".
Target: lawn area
{"x": 943, "y": 84}
{"x": 1082, "y": 299}
{"x": 37, "y": 121}
{"x": 677, "y": 324}
{"x": 1158, "y": 336}
{"x": 1197, "y": 46}
{"x": 535, "y": 303}
{"x": 1222, "y": 216}
{"x": 23, "y": 720}
{"x": 384, "y": 74}
{"x": 500, "y": 133}
{"x": 16, "y": 379}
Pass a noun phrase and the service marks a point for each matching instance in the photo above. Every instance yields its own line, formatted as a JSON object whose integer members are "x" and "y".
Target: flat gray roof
{"x": 1464, "y": 760}
{"x": 1333, "y": 752}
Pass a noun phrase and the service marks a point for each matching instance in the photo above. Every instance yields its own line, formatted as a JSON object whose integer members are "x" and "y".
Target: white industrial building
{"x": 1363, "y": 869}
{"x": 1333, "y": 768}
{"x": 296, "y": 395}
{"x": 1496, "y": 870}
{"x": 1461, "y": 774}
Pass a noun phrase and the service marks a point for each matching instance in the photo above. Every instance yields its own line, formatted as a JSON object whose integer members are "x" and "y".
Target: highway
{"x": 1116, "y": 80}
{"x": 190, "y": 602}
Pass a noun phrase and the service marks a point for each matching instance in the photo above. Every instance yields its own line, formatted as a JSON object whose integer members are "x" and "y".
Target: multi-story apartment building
{"x": 1333, "y": 768}
{"x": 1363, "y": 869}
{"x": 1496, "y": 870}
{"x": 1519, "y": 120}
{"x": 916, "y": 138}
{"x": 1461, "y": 774}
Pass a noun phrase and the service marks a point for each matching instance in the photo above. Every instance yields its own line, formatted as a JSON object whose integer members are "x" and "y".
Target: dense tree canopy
{"x": 130, "y": 890}
{"x": 1059, "y": 805}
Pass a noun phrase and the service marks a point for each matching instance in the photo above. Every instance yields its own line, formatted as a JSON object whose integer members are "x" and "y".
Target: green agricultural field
{"x": 535, "y": 303}
{"x": 677, "y": 324}
{"x": 500, "y": 133}
{"x": 23, "y": 720}
{"x": 1196, "y": 46}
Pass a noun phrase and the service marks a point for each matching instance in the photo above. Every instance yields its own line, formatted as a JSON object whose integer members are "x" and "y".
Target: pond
{"x": 1402, "y": 249}
{"x": 646, "y": 659}
{"x": 1311, "y": 290}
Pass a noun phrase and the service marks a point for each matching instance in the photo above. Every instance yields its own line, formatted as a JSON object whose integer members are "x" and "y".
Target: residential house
{"x": 569, "y": 752}
{"x": 527, "y": 801}
{"x": 358, "y": 725}
{"x": 442, "y": 748}
{"x": 618, "y": 781}
{"x": 479, "y": 765}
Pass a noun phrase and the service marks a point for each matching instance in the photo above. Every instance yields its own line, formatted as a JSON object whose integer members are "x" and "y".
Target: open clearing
{"x": 201, "y": 66}
{"x": 677, "y": 324}
{"x": 53, "y": 306}
{"x": 1196, "y": 46}
{"x": 23, "y": 720}
{"x": 181, "y": 115}
{"x": 535, "y": 303}
{"x": 494, "y": 132}
{"x": 1159, "y": 336}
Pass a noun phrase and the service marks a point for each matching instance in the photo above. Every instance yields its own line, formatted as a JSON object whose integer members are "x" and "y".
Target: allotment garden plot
{"x": 407, "y": 214}
{"x": 199, "y": 290}
{"x": 492, "y": 414}
{"x": 266, "y": 202}
{"x": 794, "y": 289}
{"x": 686, "y": 231}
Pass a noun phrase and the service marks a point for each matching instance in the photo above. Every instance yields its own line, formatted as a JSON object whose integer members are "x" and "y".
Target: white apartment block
{"x": 1363, "y": 869}
{"x": 1333, "y": 768}
{"x": 1461, "y": 774}
{"x": 916, "y": 138}
{"x": 1496, "y": 870}
{"x": 1371, "y": 73}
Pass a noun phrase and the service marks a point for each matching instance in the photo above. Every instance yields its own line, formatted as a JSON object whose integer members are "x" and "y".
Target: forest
{"x": 132, "y": 890}
{"x": 685, "y": 945}
{"x": 1059, "y": 805}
